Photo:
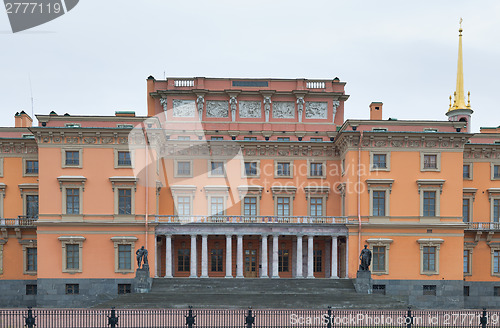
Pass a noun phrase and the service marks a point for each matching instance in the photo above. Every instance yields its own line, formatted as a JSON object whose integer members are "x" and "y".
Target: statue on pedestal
{"x": 142, "y": 256}
{"x": 366, "y": 259}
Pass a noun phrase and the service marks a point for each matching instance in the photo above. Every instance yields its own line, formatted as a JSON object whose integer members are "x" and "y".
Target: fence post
{"x": 409, "y": 318}
{"x": 330, "y": 318}
{"x": 484, "y": 319}
{"x": 190, "y": 321}
{"x": 30, "y": 321}
{"x": 249, "y": 319}
{"x": 113, "y": 318}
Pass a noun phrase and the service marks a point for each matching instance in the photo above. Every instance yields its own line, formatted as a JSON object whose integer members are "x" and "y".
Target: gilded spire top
{"x": 459, "y": 99}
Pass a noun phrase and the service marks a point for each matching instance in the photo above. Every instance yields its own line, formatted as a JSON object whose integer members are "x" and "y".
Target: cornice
{"x": 486, "y": 152}
{"x": 18, "y": 146}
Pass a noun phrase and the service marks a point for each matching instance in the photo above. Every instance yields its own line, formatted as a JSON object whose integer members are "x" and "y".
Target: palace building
{"x": 250, "y": 179}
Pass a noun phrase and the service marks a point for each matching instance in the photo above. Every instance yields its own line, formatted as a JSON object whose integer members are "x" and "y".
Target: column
{"x": 204, "y": 256}
{"x": 334, "y": 257}
{"x": 168, "y": 256}
{"x": 298, "y": 265}
{"x": 157, "y": 251}
{"x": 310, "y": 267}
{"x": 193, "y": 274}
{"x": 347, "y": 256}
{"x": 239, "y": 257}
{"x": 229, "y": 262}
{"x": 275, "y": 257}
{"x": 264, "y": 255}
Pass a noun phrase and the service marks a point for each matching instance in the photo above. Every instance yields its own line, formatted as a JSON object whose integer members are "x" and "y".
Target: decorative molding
{"x": 336, "y": 104}
{"x": 183, "y": 108}
{"x": 283, "y": 109}
{"x": 200, "y": 101}
{"x": 300, "y": 107}
{"x": 250, "y": 109}
{"x": 267, "y": 107}
{"x": 163, "y": 102}
{"x": 316, "y": 110}
{"x": 216, "y": 108}
{"x": 232, "y": 103}
{"x": 75, "y": 179}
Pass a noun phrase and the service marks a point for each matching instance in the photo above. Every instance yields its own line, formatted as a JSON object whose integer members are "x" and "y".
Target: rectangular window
{"x": 217, "y": 168}
{"x": 283, "y": 169}
{"x": 183, "y": 138}
{"x": 496, "y": 261}
{"x": 379, "y": 161}
{"x": 466, "y": 209}
{"x": 216, "y": 256}
{"x": 217, "y": 206}
{"x": 317, "y": 260}
{"x": 32, "y": 206}
{"x": 124, "y": 257}
{"x": 316, "y": 169}
{"x": 430, "y": 161}
{"x": 379, "y": 289}
{"x": 72, "y": 157}
{"x": 183, "y": 260}
{"x": 429, "y": 253}
{"x": 72, "y": 289}
{"x": 250, "y": 138}
{"x": 72, "y": 256}
{"x": 283, "y": 139}
{"x": 184, "y": 168}
{"x": 124, "y": 201}
{"x": 32, "y": 167}
{"x": 183, "y": 205}
{"x": 216, "y": 138}
{"x": 250, "y": 169}
{"x": 496, "y": 171}
{"x": 466, "y": 261}
{"x": 283, "y": 206}
{"x": 124, "y": 288}
{"x": 72, "y": 201}
{"x": 316, "y": 139}
{"x": 378, "y": 203}
{"x": 466, "y": 171}
{"x": 378, "y": 264}
{"x": 316, "y": 206}
{"x": 31, "y": 259}
{"x": 283, "y": 260}
{"x": 124, "y": 158}
{"x": 31, "y": 289}
{"x": 429, "y": 290}
{"x": 496, "y": 210}
{"x": 496, "y": 291}
{"x": 466, "y": 290}
{"x": 250, "y": 206}
{"x": 429, "y": 203}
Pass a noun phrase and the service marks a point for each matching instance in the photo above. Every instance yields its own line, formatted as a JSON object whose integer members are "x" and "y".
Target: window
{"x": 32, "y": 206}
{"x": 467, "y": 171}
{"x": 183, "y": 138}
{"x": 429, "y": 259}
{"x": 315, "y": 169}
{"x": 124, "y": 158}
{"x": 379, "y": 161}
{"x": 71, "y": 253}
{"x": 317, "y": 260}
{"x": 496, "y": 171}
{"x": 467, "y": 261}
{"x": 124, "y": 288}
{"x": 283, "y": 138}
{"x": 72, "y": 158}
{"x": 429, "y": 203}
{"x": 466, "y": 290}
{"x": 283, "y": 206}
{"x": 217, "y": 206}
{"x": 31, "y": 259}
{"x": 496, "y": 291}
{"x": 216, "y": 138}
{"x": 283, "y": 260}
{"x": 316, "y": 206}
{"x": 72, "y": 257}
{"x": 216, "y": 256}
{"x": 380, "y": 255}
{"x": 496, "y": 261}
{"x": 283, "y": 170}
{"x": 72, "y": 125}
{"x": 183, "y": 205}
{"x": 31, "y": 167}
{"x": 251, "y": 169}
{"x": 430, "y": 161}
{"x": 72, "y": 201}
{"x": 378, "y": 203}
{"x": 183, "y": 260}
{"x": 466, "y": 210}
{"x": 250, "y": 206}
{"x": 429, "y": 290}
{"x": 378, "y": 263}
{"x": 250, "y": 138}
{"x": 378, "y": 289}
{"x": 216, "y": 168}
{"x": 496, "y": 210}
{"x": 183, "y": 168}
{"x": 124, "y": 257}
{"x": 316, "y": 139}
{"x": 31, "y": 289}
{"x": 124, "y": 201}
{"x": 124, "y": 253}
{"x": 379, "y": 129}
{"x": 72, "y": 289}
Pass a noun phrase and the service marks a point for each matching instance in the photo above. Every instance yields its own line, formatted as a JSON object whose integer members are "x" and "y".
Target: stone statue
{"x": 267, "y": 107}
{"x": 366, "y": 259}
{"x": 300, "y": 107}
{"x": 142, "y": 256}
{"x": 233, "y": 103}
{"x": 199, "y": 101}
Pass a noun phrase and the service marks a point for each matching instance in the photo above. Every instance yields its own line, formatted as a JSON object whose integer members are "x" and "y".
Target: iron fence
{"x": 201, "y": 318}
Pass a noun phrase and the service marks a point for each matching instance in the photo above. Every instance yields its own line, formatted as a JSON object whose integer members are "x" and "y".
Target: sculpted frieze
{"x": 316, "y": 110}
{"x": 283, "y": 109}
{"x": 184, "y": 108}
{"x": 250, "y": 109}
{"x": 217, "y": 108}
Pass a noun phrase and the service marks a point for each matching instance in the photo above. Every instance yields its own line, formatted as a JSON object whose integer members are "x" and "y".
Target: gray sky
{"x": 95, "y": 59}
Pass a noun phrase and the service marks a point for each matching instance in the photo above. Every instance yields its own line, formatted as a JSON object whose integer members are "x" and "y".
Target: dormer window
{"x": 72, "y": 125}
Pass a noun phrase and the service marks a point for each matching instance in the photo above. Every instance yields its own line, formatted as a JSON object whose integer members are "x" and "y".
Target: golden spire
{"x": 459, "y": 101}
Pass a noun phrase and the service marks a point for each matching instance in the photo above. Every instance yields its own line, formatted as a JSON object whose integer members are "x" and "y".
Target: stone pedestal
{"x": 363, "y": 283}
{"x": 142, "y": 281}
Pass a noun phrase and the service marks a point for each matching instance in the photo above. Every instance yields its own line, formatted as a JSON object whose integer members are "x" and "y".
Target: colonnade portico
{"x": 259, "y": 254}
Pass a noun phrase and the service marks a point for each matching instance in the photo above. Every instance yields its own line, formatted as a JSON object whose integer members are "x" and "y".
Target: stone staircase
{"x": 223, "y": 293}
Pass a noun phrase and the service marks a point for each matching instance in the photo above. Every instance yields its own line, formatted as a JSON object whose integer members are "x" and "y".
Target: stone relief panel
{"x": 217, "y": 108}
{"x": 184, "y": 108}
{"x": 250, "y": 109}
{"x": 283, "y": 109}
{"x": 316, "y": 109}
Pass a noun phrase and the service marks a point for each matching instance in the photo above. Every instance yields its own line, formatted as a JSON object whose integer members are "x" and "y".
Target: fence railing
{"x": 483, "y": 225}
{"x": 176, "y": 318}
{"x": 250, "y": 219}
{"x": 20, "y": 221}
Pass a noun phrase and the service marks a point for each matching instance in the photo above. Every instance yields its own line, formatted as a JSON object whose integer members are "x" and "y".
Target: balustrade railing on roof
{"x": 251, "y": 219}
{"x": 483, "y": 225}
{"x": 184, "y": 83}
{"x": 315, "y": 85}
{"x": 20, "y": 221}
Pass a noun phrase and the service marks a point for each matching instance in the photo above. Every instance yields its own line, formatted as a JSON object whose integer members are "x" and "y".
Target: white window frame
{"x": 492, "y": 166}
{"x": 216, "y": 191}
{"x": 257, "y": 205}
{"x": 470, "y": 248}
{"x": 250, "y": 191}
{"x": 471, "y": 166}
{"x": 283, "y": 191}
{"x": 430, "y": 242}
{"x": 28, "y": 189}
{"x": 210, "y": 175}
{"x": 1, "y": 167}
{"x": 438, "y": 162}
{"x": 493, "y": 194}
{"x": 124, "y": 182}
{"x": 25, "y": 166}
{"x": 124, "y": 240}
{"x": 2, "y": 242}
{"x": 176, "y": 168}
{"x": 80, "y": 158}
{"x": 387, "y": 160}
{"x": 71, "y": 182}
{"x": 25, "y": 245}
{"x": 276, "y": 176}
{"x": 382, "y": 242}
{"x": 317, "y": 192}
{"x": 471, "y": 202}
{"x": 132, "y": 159}
{"x": 312, "y": 161}
{"x": 72, "y": 240}
{"x": 243, "y": 171}
{"x": 430, "y": 185}
{"x": 2, "y": 196}
{"x": 380, "y": 185}
{"x": 183, "y": 191}
{"x": 494, "y": 247}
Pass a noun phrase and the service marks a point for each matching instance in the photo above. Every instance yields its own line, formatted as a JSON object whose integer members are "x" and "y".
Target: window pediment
{"x": 431, "y": 183}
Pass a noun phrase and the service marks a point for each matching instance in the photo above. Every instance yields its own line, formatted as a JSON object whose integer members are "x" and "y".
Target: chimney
{"x": 22, "y": 120}
{"x": 376, "y": 111}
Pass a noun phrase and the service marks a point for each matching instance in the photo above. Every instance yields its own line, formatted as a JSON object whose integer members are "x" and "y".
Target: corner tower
{"x": 459, "y": 110}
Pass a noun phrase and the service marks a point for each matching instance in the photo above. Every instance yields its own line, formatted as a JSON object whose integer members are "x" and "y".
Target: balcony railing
{"x": 184, "y": 83}
{"x": 483, "y": 225}
{"x": 251, "y": 219}
{"x": 21, "y": 221}
{"x": 315, "y": 85}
